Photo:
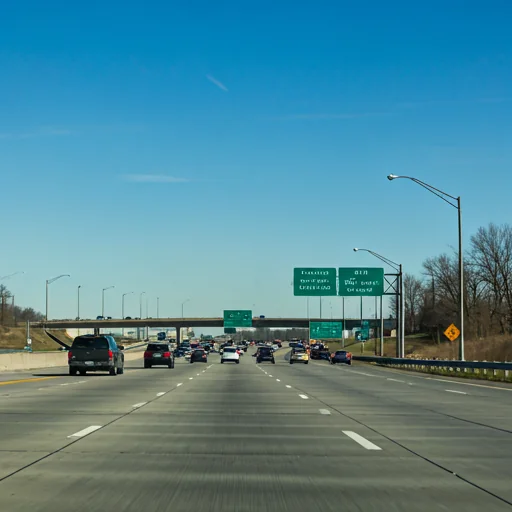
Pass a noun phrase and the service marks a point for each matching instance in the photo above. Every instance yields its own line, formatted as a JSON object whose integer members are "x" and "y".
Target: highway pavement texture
{"x": 249, "y": 437}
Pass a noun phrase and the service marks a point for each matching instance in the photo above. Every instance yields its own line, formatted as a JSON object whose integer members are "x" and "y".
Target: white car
{"x": 230, "y": 354}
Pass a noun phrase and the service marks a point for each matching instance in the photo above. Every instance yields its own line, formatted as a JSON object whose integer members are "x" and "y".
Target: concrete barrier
{"x": 32, "y": 361}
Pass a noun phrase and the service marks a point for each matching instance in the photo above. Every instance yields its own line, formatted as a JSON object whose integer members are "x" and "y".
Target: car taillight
{"x": 70, "y": 355}
{"x": 110, "y": 354}
{"x": 204, "y": 356}
{"x": 167, "y": 354}
{"x": 147, "y": 354}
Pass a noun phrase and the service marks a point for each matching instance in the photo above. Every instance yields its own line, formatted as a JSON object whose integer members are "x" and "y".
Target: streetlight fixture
{"x": 182, "y": 304}
{"x": 122, "y": 303}
{"x": 140, "y": 303}
{"x": 103, "y": 299}
{"x": 455, "y": 203}
{"x": 49, "y": 282}
{"x": 400, "y": 337}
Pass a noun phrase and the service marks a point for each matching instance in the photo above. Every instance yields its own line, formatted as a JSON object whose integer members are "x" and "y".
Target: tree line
{"x": 11, "y": 314}
{"x": 432, "y": 300}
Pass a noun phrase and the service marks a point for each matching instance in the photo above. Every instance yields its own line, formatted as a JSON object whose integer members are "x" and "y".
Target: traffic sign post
{"x": 237, "y": 318}
{"x": 452, "y": 332}
{"x": 325, "y": 330}
{"x": 314, "y": 282}
{"x": 357, "y": 282}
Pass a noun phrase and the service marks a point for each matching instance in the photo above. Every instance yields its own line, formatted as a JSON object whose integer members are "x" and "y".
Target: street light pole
{"x": 78, "y": 302}
{"x": 48, "y": 283}
{"x": 158, "y": 307}
{"x": 10, "y": 275}
{"x": 140, "y": 304}
{"x": 454, "y": 202}
{"x": 103, "y": 299}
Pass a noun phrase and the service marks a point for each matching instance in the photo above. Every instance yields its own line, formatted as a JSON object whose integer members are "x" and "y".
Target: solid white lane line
{"x": 304, "y": 396}
{"x": 162, "y": 393}
{"x": 199, "y": 375}
{"x": 278, "y": 380}
{"x": 289, "y": 387}
{"x": 179, "y": 384}
{"x": 270, "y": 375}
{"x": 453, "y": 391}
{"x": 324, "y": 411}
{"x": 85, "y": 431}
{"x": 396, "y": 380}
{"x": 82, "y": 381}
{"x": 140, "y": 404}
{"x": 65, "y": 384}
{"x": 361, "y": 440}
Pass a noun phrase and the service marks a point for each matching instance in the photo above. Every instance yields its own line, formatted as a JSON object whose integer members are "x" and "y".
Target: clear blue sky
{"x": 201, "y": 150}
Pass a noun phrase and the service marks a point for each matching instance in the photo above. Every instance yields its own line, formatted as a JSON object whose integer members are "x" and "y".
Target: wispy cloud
{"x": 216, "y": 82}
{"x": 154, "y": 178}
{"x": 43, "y": 131}
{"x": 356, "y": 115}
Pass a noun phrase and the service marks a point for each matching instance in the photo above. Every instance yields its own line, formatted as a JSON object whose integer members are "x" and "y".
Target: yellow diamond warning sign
{"x": 452, "y": 333}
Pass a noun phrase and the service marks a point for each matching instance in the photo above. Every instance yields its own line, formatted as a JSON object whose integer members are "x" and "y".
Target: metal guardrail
{"x": 439, "y": 363}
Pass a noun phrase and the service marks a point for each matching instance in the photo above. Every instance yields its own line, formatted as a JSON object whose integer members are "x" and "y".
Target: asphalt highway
{"x": 248, "y": 437}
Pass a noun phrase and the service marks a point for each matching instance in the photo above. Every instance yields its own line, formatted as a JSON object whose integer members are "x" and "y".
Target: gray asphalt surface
{"x": 254, "y": 437}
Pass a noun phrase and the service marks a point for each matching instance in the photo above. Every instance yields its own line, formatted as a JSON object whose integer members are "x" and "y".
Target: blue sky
{"x": 203, "y": 150}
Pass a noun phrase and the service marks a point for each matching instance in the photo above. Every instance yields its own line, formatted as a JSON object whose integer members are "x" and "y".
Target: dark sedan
{"x": 341, "y": 356}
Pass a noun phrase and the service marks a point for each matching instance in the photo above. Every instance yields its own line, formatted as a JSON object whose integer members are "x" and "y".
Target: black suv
{"x": 199, "y": 356}
{"x": 158, "y": 354}
{"x": 265, "y": 354}
{"x": 91, "y": 353}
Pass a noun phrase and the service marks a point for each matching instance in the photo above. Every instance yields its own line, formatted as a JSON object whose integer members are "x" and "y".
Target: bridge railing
{"x": 477, "y": 367}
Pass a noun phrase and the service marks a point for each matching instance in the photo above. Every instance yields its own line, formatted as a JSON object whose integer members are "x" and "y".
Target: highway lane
{"x": 224, "y": 437}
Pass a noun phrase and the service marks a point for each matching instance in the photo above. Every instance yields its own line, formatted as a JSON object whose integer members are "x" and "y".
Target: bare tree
{"x": 491, "y": 255}
{"x": 413, "y": 297}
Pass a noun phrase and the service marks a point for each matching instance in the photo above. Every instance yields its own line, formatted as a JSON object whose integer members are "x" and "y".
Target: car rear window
{"x": 94, "y": 343}
{"x": 299, "y": 349}
{"x": 158, "y": 347}
{"x": 341, "y": 353}
{"x": 229, "y": 349}
{"x": 199, "y": 352}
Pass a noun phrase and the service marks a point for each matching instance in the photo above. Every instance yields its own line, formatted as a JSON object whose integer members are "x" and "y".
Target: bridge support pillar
{"x": 96, "y": 331}
{"x": 178, "y": 336}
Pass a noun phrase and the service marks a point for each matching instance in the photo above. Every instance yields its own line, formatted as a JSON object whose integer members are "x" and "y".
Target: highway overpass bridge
{"x": 177, "y": 323}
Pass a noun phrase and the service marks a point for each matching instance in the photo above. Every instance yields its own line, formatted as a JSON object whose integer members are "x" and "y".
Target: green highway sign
{"x": 314, "y": 282}
{"x": 229, "y": 330}
{"x": 325, "y": 330}
{"x": 356, "y": 282}
{"x": 237, "y": 318}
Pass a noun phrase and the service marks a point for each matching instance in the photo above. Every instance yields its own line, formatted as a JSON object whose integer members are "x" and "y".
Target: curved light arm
{"x": 396, "y": 266}
{"x": 439, "y": 193}
{"x": 50, "y": 281}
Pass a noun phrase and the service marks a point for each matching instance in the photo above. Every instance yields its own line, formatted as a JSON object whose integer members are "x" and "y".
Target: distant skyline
{"x": 202, "y": 151}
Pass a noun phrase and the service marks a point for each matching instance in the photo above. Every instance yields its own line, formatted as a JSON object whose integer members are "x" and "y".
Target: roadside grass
{"x": 15, "y": 338}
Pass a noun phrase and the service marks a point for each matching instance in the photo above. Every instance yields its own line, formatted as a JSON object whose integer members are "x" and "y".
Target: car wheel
{"x": 72, "y": 371}
{"x": 83, "y": 372}
{"x": 222, "y": 361}
{"x": 238, "y": 361}
{"x": 273, "y": 361}
{"x": 112, "y": 371}
{"x": 306, "y": 362}
{"x": 350, "y": 363}
{"x": 120, "y": 371}
{"x": 147, "y": 365}
{"x": 291, "y": 362}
